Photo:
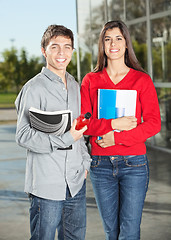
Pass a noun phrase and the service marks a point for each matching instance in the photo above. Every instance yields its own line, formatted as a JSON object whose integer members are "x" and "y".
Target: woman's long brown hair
{"x": 130, "y": 58}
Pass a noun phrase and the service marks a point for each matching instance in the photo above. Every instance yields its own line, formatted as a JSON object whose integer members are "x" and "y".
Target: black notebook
{"x": 55, "y": 122}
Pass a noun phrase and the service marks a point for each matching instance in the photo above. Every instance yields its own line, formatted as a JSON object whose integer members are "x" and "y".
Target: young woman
{"x": 119, "y": 169}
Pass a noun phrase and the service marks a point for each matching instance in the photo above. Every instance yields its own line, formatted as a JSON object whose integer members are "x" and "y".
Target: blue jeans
{"x": 120, "y": 184}
{"x": 67, "y": 216}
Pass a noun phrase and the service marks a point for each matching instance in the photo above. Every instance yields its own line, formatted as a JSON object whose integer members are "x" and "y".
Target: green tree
{"x": 9, "y": 69}
{"x": 72, "y": 67}
{"x": 16, "y": 68}
{"x": 85, "y": 63}
{"x": 29, "y": 67}
{"x": 168, "y": 60}
{"x": 141, "y": 53}
{"x": 157, "y": 63}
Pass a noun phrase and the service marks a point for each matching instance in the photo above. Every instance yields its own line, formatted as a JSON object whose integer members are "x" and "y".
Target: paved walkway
{"x": 8, "y": 115}
{"x": 14, "y": 205}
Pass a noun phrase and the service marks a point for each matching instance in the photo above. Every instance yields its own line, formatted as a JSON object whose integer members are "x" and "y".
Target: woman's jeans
{"x": 120, "y": 184}
{"x": 68, "y": 217}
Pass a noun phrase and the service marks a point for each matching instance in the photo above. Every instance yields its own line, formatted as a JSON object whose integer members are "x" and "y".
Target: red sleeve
{"x": 151, "y": 124}
{"x": 96, "y": 127}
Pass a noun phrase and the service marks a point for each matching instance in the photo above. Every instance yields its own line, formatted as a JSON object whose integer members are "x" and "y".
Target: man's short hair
{"x": 55, "y": 31}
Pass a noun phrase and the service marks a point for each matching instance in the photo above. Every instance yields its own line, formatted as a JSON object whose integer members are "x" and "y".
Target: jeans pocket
{"x": 95, "y": 161}
{"x": 35, "y": 203}
{"x": 136, "y": 161}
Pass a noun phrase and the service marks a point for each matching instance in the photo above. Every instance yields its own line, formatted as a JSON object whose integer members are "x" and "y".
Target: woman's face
{"x": 115, "y": 44}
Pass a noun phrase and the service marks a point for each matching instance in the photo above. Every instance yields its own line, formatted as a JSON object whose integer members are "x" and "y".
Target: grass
{"x": 7, "y": 100}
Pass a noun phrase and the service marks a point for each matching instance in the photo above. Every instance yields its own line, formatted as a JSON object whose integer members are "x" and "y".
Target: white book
{"x": 116, "y": 103}
{"x": 113, "y": 103}
{"x": 51, "y": 122}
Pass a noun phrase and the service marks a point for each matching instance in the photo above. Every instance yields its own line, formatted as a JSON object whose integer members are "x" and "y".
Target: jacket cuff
{"x": 117, "y": 137}
{"x": 109, "y": 124}
{"x": 67, "y": 138}
{"x": 62, "y": 141}
{"x": 87, "y": 165}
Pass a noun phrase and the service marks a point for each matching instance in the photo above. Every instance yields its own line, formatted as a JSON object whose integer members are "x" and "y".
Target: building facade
{"x": 149, "y": 23}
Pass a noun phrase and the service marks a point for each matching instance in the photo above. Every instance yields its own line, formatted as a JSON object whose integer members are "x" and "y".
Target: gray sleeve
{"x": 29, "y": 138}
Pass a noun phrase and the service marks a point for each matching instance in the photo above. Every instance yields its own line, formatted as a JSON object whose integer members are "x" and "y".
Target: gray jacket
{"x": 49, "y": 170}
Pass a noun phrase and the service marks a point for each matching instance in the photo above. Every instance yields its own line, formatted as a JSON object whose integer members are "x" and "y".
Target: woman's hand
{"x": 107, "y": 140}
{"x": 124, "y": 123}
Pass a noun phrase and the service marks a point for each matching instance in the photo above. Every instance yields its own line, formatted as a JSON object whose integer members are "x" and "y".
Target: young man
{"x": 55, "y": 179}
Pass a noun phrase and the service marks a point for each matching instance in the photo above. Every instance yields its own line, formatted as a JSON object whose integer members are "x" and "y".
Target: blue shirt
{"x": 48, "y": 169}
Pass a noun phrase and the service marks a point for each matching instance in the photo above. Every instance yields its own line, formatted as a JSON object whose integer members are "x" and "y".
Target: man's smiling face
{"x": 58, "y": 53}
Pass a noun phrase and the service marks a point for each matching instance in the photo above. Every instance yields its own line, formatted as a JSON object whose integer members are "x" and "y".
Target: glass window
{"x": 163, "y": 139}
{"x": 94, "y": 49}
{"x": 161, "y": 49}
{"x": 83, "y": 16}
{"x": 92, "y": 14}
{"x": 98, "y": 14}
{"x": 116, "y": 9}
{"x": 84, "y": 30}
{"x": 85, "y": 56}
{"x": 139, "y": 35}
{"x": 159, "y": 5}
{"x": 135, "y": 9}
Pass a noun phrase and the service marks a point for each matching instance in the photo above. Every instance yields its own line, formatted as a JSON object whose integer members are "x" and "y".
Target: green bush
{"x": 7, "y": 100}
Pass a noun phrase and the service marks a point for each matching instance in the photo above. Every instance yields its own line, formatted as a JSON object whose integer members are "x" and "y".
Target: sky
{"x": 23, "y": 22}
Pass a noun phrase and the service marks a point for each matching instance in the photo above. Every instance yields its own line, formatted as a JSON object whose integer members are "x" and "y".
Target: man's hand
{"x": 107, "y": 140}
{"x": 77, "y": 134}
{"x": 86, "y": 172}
{"x": 124, "y": 123}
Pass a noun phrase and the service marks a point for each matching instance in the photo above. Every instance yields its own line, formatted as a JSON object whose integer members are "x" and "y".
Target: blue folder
{"x": 114, "y": 103}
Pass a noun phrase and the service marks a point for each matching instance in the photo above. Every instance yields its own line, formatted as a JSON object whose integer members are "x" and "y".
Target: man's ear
{"x": 43, "y": 52}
